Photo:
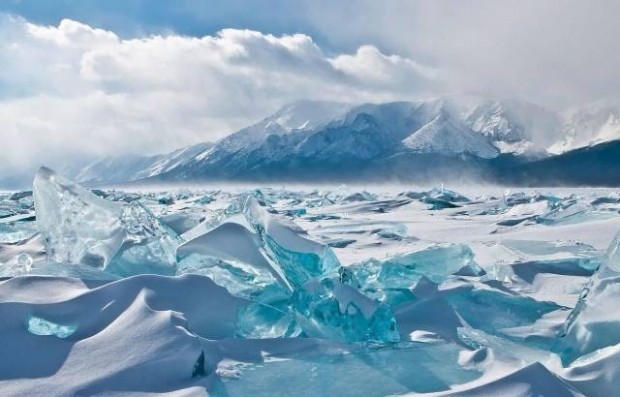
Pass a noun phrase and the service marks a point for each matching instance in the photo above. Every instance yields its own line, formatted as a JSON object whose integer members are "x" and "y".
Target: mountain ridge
{"x": 314, "y": 140}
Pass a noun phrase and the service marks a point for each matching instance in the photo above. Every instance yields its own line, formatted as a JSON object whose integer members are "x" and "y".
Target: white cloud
{"x": 370, "y": 66}
{"x": 72, "y": 90}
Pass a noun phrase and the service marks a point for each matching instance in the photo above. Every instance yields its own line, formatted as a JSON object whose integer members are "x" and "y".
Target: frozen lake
{"x": 308, "y": 290}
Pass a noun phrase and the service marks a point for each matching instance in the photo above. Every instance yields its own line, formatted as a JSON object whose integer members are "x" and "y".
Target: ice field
{"x": 313, "y": 291}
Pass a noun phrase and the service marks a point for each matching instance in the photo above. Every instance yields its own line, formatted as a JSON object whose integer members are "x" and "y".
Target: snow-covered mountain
{"x": 589, "y": 125}
{"x": 127, "y": 168}
{"x": 310, "y": 136}
{"x": 318, "y": 138}
{"x": 512, "y": 126}
{"x": 444, "y": 135}
{"x": 165, "y": 163}
{"x": 111, "y": 169}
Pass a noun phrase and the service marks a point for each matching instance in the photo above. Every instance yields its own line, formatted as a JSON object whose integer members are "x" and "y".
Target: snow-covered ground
{"x": 309, "y": 291}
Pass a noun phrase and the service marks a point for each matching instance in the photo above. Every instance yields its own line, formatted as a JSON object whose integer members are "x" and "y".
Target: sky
{"x": 85, "y": 78}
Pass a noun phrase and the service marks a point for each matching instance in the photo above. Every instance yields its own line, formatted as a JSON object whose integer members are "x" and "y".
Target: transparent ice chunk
{"x": 390, "y": 281}
{"x": 179, "y": 222}
{"x": 240, "y": 279}
{"x": 329, "y": 309}
{"x": 570, "y": 212}
{"x": 365, "y": 277}
{"x": 594, "y": 322}
{"x": 295, "y": 258}
{"x": 286, "y": 275}
{"x": 492, "y": 310}
{"x": 397, "y": 231}
{"x": 231, "y": 255}
{"x": 516, "y": 198}
{"x": 359, "y": 196}
{"x": 442, "y": 193}
{"x": 439, "y": 198}
{"x": 43, "y": 327}
{"x": 260, "y": 321}
{"x": 80, "y": 227}
{"x": 435, "y": 262}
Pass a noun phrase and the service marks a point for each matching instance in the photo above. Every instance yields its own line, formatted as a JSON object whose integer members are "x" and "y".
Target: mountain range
{"x": 452, "y": 138}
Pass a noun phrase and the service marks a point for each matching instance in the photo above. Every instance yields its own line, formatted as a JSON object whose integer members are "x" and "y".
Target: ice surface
{"x": 381, "y": 372}
{"x": 533, "y": 380}
{"x": 341, "y": 291}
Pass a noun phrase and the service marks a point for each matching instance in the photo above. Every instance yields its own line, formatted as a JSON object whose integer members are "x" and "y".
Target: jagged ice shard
{"x": 391, "y": 280}
{"x": 595, "y": 323}
{"x": 229, "y": 254}
{"x": 293, "y": 280}
{"x": 328, "y": 308}
{"x": 324, "y": 306}
{"x": 82, "y": 228}
{"x": 296, "y": 258}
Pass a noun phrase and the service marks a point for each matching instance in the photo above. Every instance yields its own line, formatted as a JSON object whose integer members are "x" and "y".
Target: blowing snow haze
{"x": 128, "y": 84}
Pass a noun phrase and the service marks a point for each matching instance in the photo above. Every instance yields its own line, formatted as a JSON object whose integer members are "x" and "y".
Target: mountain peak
{"x": 443, "y": 135}
{"x": 308, "y": 114}
{"x": 589, "y": 125}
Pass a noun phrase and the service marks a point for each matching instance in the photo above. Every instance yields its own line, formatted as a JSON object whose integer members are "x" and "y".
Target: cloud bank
{"x": 74, "y": 90}
{"x": 556, "y": 53}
